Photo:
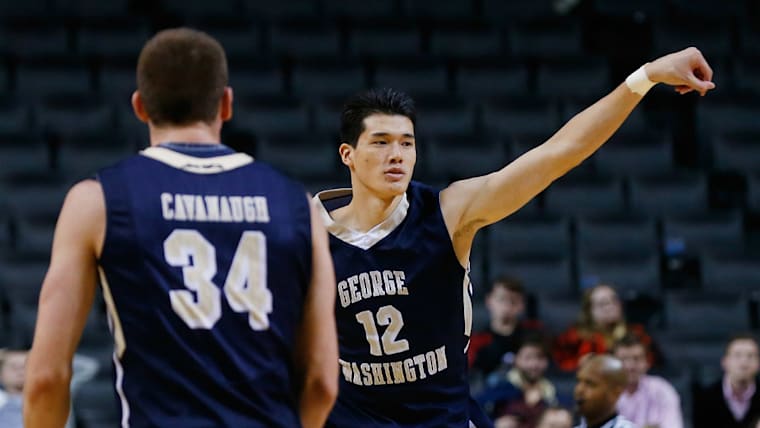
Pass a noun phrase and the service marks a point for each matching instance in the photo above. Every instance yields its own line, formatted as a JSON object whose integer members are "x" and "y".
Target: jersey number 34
{"x": 200, "y": 305}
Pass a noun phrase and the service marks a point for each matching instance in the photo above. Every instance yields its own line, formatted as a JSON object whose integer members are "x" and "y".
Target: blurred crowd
{"x": 527, "y": 376}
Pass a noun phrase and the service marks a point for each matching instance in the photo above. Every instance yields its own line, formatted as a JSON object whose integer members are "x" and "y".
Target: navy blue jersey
{"x": 205, "y": 265}
{"x": 403, "y": 312}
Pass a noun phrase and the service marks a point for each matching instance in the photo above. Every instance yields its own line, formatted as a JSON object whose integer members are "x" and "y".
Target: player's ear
{"x": 346, "y": 152}
{"x": 139, "y": 108}
{"x": 226, "y": 104}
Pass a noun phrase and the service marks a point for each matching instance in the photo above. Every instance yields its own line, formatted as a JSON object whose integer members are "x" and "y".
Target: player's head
{"x": 12, "y": 369}
{"x": 182, "y": 80}
{"x": 506, "y": 299}
{"x": 632, "y": 352}
{"x": 555, "y": 417}
{"x": 532, "y": 358}
{"x": 601, "y": 307}
{"x": 741, "y": 361}
{"x": 377, "y": 140}
{"x": 601, "y": 379}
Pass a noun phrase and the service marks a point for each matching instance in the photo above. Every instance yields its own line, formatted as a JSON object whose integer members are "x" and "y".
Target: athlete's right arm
{"x": 65, "y": 300}
{"x": 317, "y": 347}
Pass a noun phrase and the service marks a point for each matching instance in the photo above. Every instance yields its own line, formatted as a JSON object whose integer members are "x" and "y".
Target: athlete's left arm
{"x": 471, "y": 204}
{"x": 65, "y": 300}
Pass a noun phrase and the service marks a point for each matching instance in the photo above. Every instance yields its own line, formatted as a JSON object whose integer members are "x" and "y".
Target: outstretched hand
{"x": 686, "y": 70}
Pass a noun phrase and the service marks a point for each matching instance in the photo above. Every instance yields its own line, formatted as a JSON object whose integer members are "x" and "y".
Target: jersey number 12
{"x": 389, "y": 344}
{"x": 200, "y": 305}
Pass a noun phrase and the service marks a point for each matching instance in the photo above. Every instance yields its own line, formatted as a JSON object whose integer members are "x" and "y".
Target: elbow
{"x": 323, "y": 388}
{"x": 327, "y": 387}
{"x": 43, "y": 383}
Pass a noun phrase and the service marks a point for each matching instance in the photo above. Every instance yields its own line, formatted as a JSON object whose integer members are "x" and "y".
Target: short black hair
{"x": 536, "y": 340}
{"x": 373, "y": 101}
{"x": 510, "y": 283}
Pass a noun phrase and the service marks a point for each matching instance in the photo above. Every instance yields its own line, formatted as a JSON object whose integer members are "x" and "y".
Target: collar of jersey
{"x": 363, "y": 240}
{"x": 195, "y": 164}
{"x": 200, "y": 148}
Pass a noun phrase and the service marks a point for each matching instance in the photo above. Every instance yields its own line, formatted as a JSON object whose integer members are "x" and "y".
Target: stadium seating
{"x": 593, "y": 197}
{"x": 330, "y": 79}
{"x": 619, "y": 237}
{"x": 466, "y": 41}
{"x": 677, "y": 194}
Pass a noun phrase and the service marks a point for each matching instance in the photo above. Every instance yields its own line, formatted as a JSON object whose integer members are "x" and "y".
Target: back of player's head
{"x": 181, "y": 76}
{"x": 373, "y": 101}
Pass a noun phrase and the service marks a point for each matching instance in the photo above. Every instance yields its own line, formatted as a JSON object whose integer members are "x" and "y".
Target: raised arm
{"x": 65, "y": 300}
{"x": 471, "y": 204}
{"x": 317, "y": 347}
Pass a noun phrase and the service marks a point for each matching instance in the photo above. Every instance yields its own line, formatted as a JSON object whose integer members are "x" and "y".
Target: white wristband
{"x": 638, "y": 82}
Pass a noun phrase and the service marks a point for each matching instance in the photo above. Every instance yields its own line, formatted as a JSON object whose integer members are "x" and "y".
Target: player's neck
{"x": 195, "y": 133}
{"x": 366, "y": 211}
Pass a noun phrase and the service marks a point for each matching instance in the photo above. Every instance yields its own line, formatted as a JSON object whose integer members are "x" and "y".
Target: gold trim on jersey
{"x": 363, "y": 240}
{"x": 196, "y": 165}
{"x": 467, "y": 300}
{"x": 113, "y": 316}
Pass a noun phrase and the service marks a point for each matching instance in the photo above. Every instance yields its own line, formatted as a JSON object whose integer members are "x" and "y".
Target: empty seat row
{"x": 618, "y": 235}
{"x": 331, "y": 77}
{"x": 640, "y": 275}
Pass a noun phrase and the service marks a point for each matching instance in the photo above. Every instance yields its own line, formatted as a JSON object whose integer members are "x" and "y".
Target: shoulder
{"x": 482, "y": 337}
{"x": 424, "y": 202}
{"x": 571, "y": 334}
{"x": 275, "y": 172}
{"x": 639, "y": 331}
{"x": 711, "y": 391}
{"x": 87, "y": 195}
{"x": 423, "y": 191}
{"x": 661, "y": 385}
{"x": 624, "y": 423}
{"x": 83, "y": 214}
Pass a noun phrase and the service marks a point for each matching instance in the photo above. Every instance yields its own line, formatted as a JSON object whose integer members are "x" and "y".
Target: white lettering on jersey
{"x": 408, "y": 370}
{"x": 214, "y": 208}
{"x": 370, "y": 284}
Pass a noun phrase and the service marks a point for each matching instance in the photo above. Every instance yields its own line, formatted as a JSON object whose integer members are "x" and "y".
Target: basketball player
{"x": 401, "y": 250}
{"x": 216, "y": 275}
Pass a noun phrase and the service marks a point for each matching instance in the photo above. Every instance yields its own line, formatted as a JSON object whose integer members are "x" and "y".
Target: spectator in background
{"x": 12, "y": 363}
{"x": 519, "y": 396}
{"x": 555, "y": 417}
{"x": 601, "y": 380}
{"x": 733, "y": 401}
{"x": 12, "y": 376}
{"x": 600, "y": 324}
{"x": 505, "y": 302}
{"x": 648, "y": 401}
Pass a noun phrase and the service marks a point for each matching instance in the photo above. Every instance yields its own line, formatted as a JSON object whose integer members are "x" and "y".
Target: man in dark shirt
{"x": 733, "y": 401}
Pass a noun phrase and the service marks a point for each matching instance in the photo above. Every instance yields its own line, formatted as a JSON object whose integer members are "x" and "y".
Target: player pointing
{"x": 401, "y": 249}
